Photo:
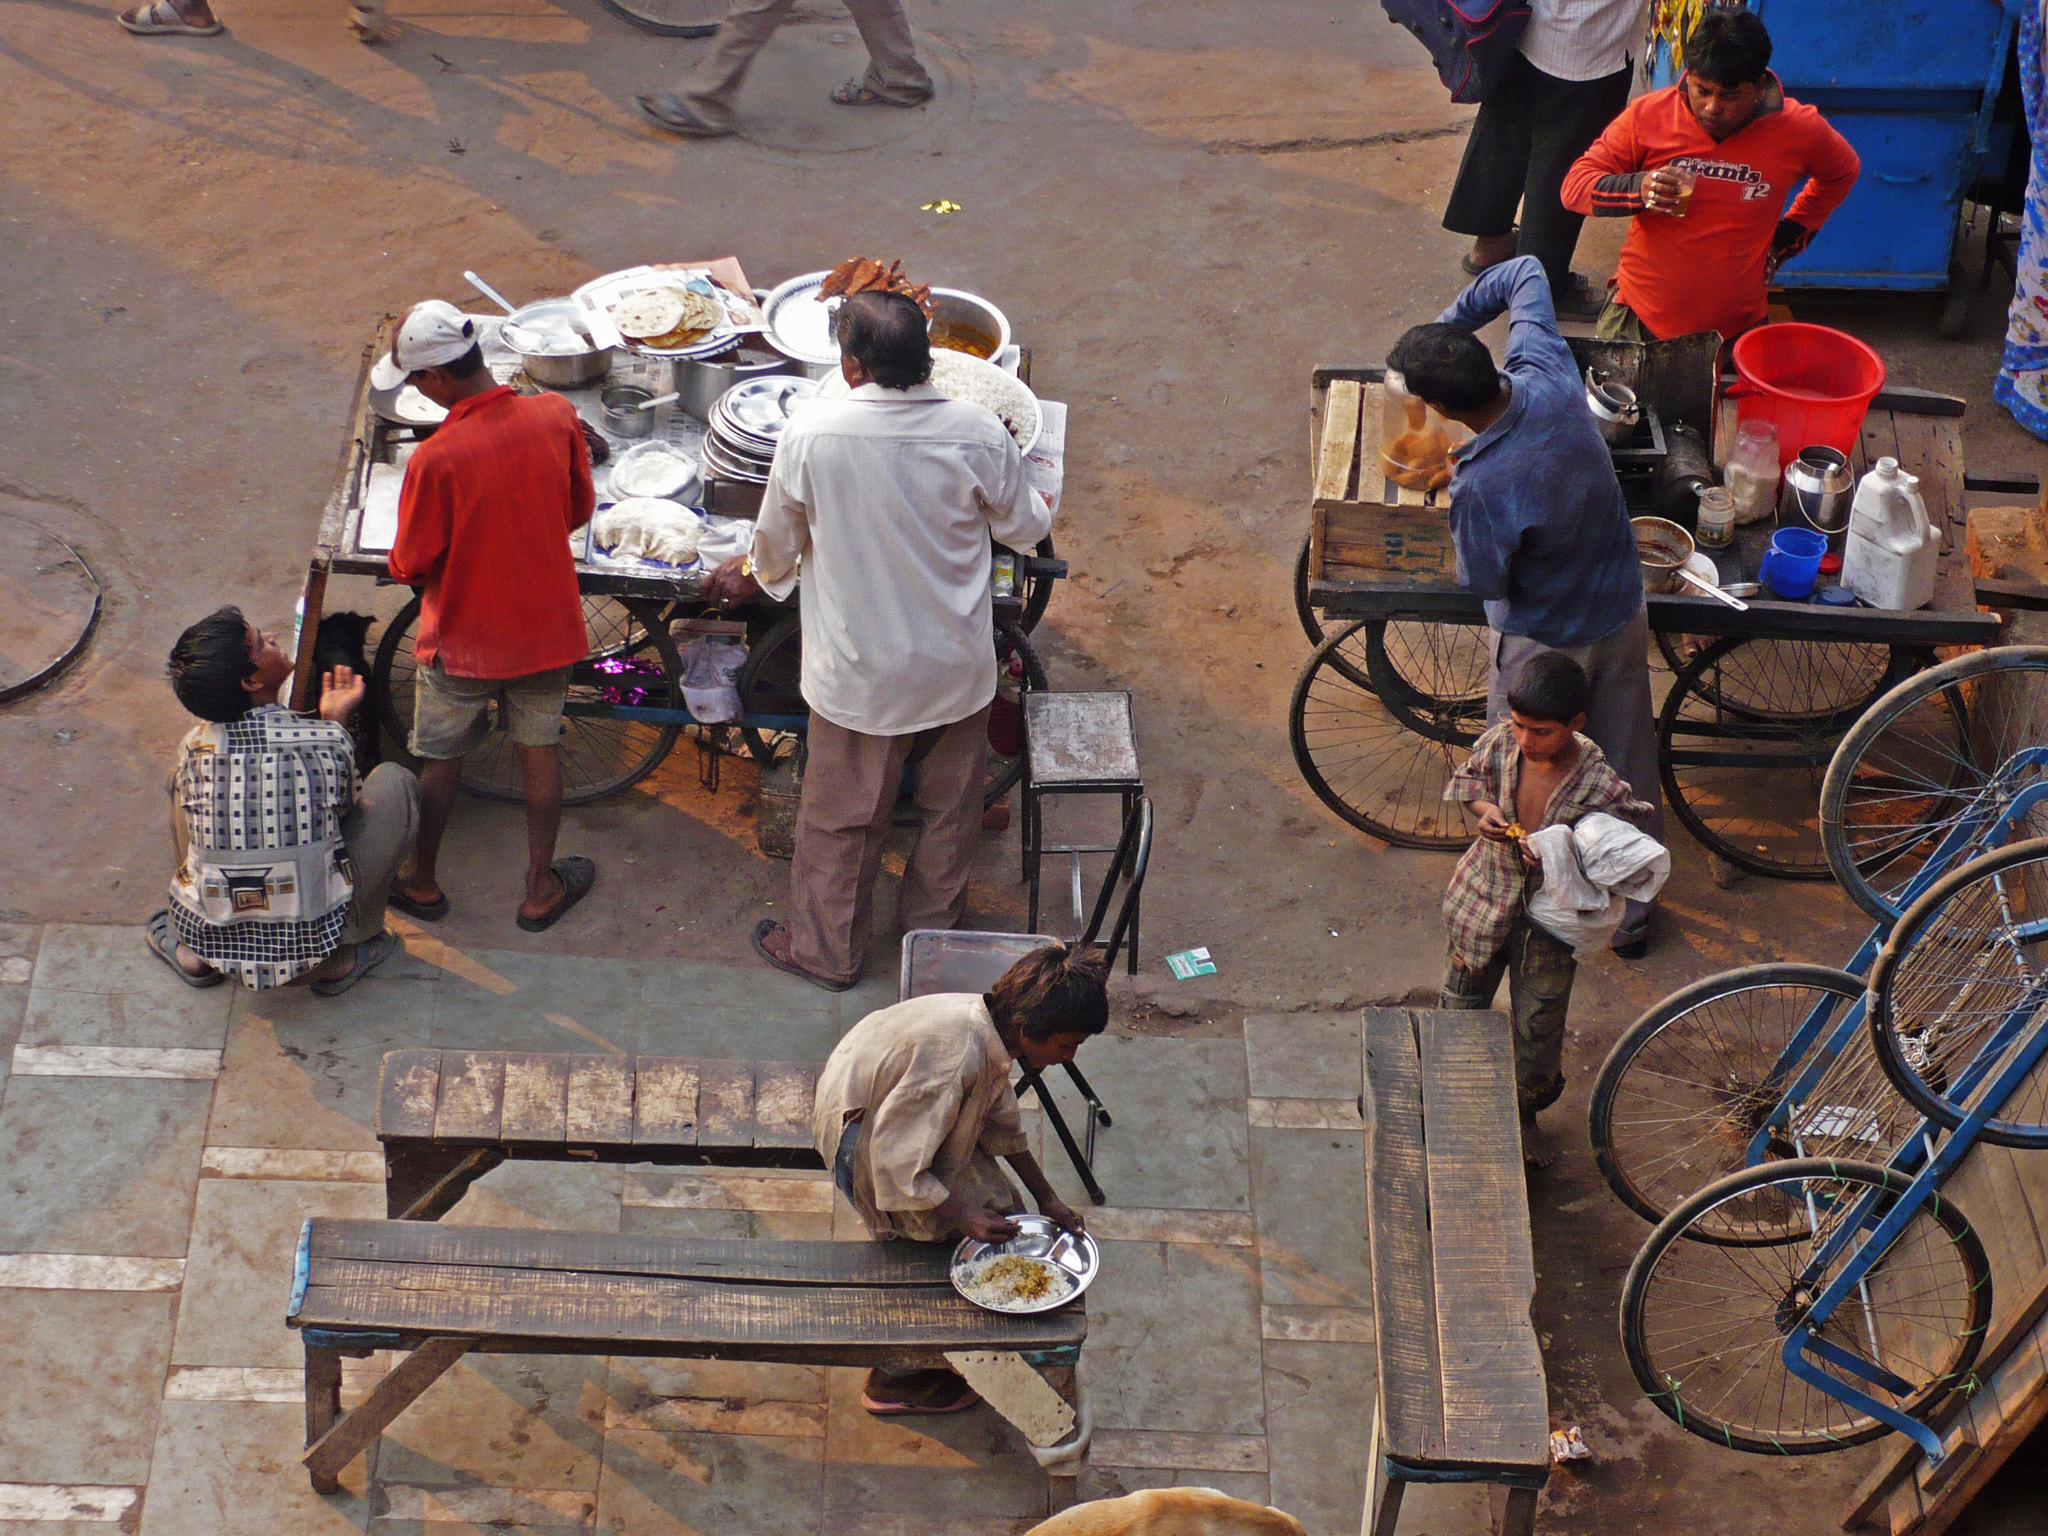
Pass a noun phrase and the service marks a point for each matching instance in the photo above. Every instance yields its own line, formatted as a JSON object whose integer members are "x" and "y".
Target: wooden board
{"x": 725, "y": 1104}
{"x": 784, "y": 1094}
{"x": 1404, "y": 1292}
{"x": 665, "y": 1100}
{"x": 472, "y": 1096}
{"x": 409, "y": 1086}
{"x": 1337, "y": 456}
{"x": 1496, "y": 1407}
{"x": 536, "y": 1099}
{"x": 1360, "y": 520}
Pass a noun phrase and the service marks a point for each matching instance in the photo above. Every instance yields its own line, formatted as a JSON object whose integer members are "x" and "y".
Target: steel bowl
{"x": 1818, "y": 492}
{"x": 700, "y": 381}
{"x": 1663, "y": 548}
{"x": 967, "y": 323}
{"x": 1038, "y": 1237}
{"x": 528, "y": 331}
{"x": 625, "y": 411}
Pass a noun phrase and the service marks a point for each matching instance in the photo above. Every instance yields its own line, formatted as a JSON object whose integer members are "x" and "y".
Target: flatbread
{"x": 650, "y": 312}
{"x": 702, "y": 314}
{"x": 643, "y": 528}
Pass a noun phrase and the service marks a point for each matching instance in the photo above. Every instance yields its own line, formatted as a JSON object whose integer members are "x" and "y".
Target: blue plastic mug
{"x": 1792, "y": 563}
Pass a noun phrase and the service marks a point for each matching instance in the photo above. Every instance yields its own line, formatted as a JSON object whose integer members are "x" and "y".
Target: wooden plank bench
{"x": 439, "y": 1293}
{"x": 447, "y": 1118}
{"x": 1461, "y": 1389}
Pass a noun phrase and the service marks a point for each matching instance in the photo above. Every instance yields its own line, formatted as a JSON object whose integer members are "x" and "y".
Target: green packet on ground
{"x": 1187, "y": 964}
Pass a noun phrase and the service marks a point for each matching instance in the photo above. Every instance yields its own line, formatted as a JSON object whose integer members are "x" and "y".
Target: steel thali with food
{"x": 1071, "y": 1256}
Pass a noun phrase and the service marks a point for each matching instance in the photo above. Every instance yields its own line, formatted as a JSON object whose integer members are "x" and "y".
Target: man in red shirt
{"x": 483, "y": 530}
{"x": 1704, "y": 168}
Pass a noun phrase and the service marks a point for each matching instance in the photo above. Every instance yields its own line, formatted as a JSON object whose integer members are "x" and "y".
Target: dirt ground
{"x": 1180, "y": 212}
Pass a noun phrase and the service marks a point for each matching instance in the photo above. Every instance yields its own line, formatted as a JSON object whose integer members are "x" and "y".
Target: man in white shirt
{"x": 888, "y": 500}
{"x": 1567, "y": 82}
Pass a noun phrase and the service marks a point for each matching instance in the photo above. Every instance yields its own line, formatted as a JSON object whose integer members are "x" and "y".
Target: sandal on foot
{"x": 855, "y": 93}
{"x": 926, "y": 1392}
{"x": 160, "y": 18}
{"x": 369, "y": 954}
{"x": 156, "y": 933}
{"x": 782, "y": 962}
{"x": 577, "y": 875}
{"x": 667, "y": 111}
{"x": 1471, "y": 266}
{"x": 420, "y": 911}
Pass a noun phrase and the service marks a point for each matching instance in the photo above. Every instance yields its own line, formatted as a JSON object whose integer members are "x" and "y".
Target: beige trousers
{"x": 894, "y": 73}
{"x": 376, "y": 831}
{"x": 842, "y": 826}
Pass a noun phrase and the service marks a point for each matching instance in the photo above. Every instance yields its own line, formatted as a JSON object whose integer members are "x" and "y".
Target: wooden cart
{"x": 1395, "y": 692}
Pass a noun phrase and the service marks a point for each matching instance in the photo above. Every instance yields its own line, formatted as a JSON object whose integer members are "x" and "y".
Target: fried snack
{"x": 1420, "y": 458}
{"x": 864, "y": 274}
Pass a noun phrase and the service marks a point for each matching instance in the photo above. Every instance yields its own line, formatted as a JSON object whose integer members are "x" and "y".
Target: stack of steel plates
{"x": 747, "y": 423}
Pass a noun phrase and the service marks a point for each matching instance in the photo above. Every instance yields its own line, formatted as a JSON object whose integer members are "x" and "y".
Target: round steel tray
{"x": 1038, "y": 1237}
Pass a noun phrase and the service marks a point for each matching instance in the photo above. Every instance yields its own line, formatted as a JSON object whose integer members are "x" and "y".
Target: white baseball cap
{"x": 433, "y": 335}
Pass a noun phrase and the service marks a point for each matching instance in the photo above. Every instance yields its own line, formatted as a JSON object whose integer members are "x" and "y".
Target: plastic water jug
{"x": 1892, "y": 549}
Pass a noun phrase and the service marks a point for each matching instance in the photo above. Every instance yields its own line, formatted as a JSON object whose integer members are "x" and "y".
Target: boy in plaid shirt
{"x": 1531, "y": 771}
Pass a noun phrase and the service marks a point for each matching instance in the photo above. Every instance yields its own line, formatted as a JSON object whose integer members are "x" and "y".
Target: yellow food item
{"x": 1420, "y": 458}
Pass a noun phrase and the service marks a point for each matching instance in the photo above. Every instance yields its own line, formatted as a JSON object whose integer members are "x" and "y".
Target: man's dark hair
{"x": 209, "y": 664}
{"x": 886, "y": 334}
{"x": 1550, "y": 686}
{"x": 1446, "y": 365}
{"x": 467, "y": 366}
{"x": 1728, "y": 46}
{"x": 1062, "y": 989}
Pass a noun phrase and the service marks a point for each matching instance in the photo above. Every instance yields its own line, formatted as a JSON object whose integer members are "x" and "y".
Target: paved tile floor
{"x": 159, "y": 1147}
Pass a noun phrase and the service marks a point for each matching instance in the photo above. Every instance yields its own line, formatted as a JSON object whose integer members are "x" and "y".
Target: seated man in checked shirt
{"x": 284, "y": 854}
{"x": 1532, "y": 771}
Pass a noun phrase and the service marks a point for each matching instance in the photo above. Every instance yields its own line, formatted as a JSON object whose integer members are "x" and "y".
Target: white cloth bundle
{"x": 643, "y": 528}
{"x": 1591, "y": 872}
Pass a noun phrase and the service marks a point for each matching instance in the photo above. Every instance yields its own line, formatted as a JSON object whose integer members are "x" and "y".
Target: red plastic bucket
{"x": 1813, "y": 383}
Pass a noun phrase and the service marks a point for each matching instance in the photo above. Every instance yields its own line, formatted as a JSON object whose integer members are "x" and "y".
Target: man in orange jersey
{"x": 1704, "y": 168}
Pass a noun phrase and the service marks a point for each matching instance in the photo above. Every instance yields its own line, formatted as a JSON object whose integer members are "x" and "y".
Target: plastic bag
{"x": 711, "y": 670}
{"x": 1591, "y": 871}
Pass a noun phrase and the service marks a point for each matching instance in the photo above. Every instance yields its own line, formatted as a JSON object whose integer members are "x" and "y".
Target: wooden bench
{"x": 447, "y": 1118}
{"x": 1461, "y": 1390}
{"x": 439, "y": 1293}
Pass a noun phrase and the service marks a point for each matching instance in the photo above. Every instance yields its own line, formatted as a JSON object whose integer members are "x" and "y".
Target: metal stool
{"x": 1077, "y": 744}
{"x": 961, "y": 960}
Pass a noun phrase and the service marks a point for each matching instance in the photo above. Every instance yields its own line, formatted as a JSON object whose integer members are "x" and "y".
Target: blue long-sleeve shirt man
{"x": 1541, "y": 530}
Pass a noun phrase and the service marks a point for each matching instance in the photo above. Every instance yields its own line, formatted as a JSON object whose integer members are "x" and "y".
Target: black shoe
{"x": 1578, "y": 299}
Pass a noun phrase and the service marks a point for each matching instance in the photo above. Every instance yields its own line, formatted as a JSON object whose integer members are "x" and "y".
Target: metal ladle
{"x": 1706, "y": 586}
{"x": 490, "y": 293}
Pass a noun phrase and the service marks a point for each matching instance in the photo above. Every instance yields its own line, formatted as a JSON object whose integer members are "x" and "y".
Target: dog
{"x": 338, "y": 642}
{"x": 1171, "y": 1512}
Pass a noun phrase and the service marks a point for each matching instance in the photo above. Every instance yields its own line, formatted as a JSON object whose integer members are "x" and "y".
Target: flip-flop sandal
{"x": 577, "y": 875}
{"x": 667, "y": 111}
{"x": 967, "y": 1399}
{"x": 161, "y": 19}
{"x": 422, "y": 911}
{"x": 855, "y": 93}
{"x": 1473, "y": 268}
{"x": 768, "y": 925}
{"x": 370, "y": 954}
{"x": 156, "y": 933}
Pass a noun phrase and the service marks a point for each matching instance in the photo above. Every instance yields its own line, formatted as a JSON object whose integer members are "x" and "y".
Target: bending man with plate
{"x": 889, "y": 498}
{"x": 914, "y": 1107}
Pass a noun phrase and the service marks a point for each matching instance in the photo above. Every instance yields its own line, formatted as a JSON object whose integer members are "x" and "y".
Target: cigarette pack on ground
{"x": 1187, "y": 964}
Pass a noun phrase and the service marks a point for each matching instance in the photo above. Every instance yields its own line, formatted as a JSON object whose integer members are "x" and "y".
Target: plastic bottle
{"x": 1752, "y": 473}
{"x": 1892, "y": 549}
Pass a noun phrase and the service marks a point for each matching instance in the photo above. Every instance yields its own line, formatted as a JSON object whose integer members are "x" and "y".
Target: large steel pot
{"x": 547, "y": 321}
{"x": 700, "y": 381}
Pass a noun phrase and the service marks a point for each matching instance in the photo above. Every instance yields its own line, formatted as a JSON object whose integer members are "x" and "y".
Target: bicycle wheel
{"x": 670, "y": 18}
{"x": 1704, "y": 1324}
{"x": 1431, "y": 677}
{"x": 632, "y": 661}
{"x": 1682, "y": 1095}
{"x": 1366, "y": 763}
{"x": 1934, "y": 762}
{"x": 1961, "y": 988}
{"x": 1744, "y": 739}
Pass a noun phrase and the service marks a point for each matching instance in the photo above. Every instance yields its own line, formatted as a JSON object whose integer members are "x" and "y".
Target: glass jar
{"x": 1415, "y": 442}
{"x": 1716, "y": 528}
{"x": 1752, "y": 473}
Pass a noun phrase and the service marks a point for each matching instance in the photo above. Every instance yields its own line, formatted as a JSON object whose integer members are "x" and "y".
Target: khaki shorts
{"x": 450, "y": 717}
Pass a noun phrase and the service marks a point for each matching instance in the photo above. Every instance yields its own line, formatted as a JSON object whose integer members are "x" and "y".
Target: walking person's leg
{"x": 1496, "y": 164}
{"x": 1567, "y": 116}
{"x": 449, "y": 718}
{"x": 949, "y": 784}
{"x": 894, "y": 77}
{"x": 1540, "y": 973}
{"x": 532, "y": 708}
{"x": 702, "y": 106}
{"x": 842, "y": 820}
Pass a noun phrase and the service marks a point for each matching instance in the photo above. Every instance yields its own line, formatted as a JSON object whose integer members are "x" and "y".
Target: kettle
{"x": 1816, "y": 495}
{"x": 1614, "y": 407}
{"x": 1893, "y": 548}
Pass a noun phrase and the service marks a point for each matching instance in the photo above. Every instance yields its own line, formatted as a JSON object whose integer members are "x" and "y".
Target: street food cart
{"x": 1395, "y": 692}
{"x": 626, "y": 706}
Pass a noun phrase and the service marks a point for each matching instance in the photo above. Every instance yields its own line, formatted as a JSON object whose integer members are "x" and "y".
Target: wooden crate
{"x": 1362, "y": 521}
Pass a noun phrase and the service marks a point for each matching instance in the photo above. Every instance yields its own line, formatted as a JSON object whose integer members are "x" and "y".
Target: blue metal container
{"x": 1911, "y": 84}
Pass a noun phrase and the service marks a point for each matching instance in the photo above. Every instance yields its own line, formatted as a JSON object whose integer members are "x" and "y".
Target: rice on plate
{"x": 960, "y": 377}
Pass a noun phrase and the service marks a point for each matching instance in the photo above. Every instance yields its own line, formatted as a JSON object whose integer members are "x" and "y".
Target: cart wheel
{"x": 769, "y": 685}
{"x": 1955, "y": 307}
{"x": 1364, "y": 761}
{"x": 670, "y": 18}
{"x": 1311, "y": 622}
{"x": 1037, "y": 589}
{"x": 632, "y": 660}
{"x": 1744, "y": 741}
{"x": 1904, "y": 786}
{"x": 1433, "y": 677}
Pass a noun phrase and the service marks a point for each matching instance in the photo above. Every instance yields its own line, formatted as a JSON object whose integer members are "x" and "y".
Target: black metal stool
{"x": 1078, "y": 744}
